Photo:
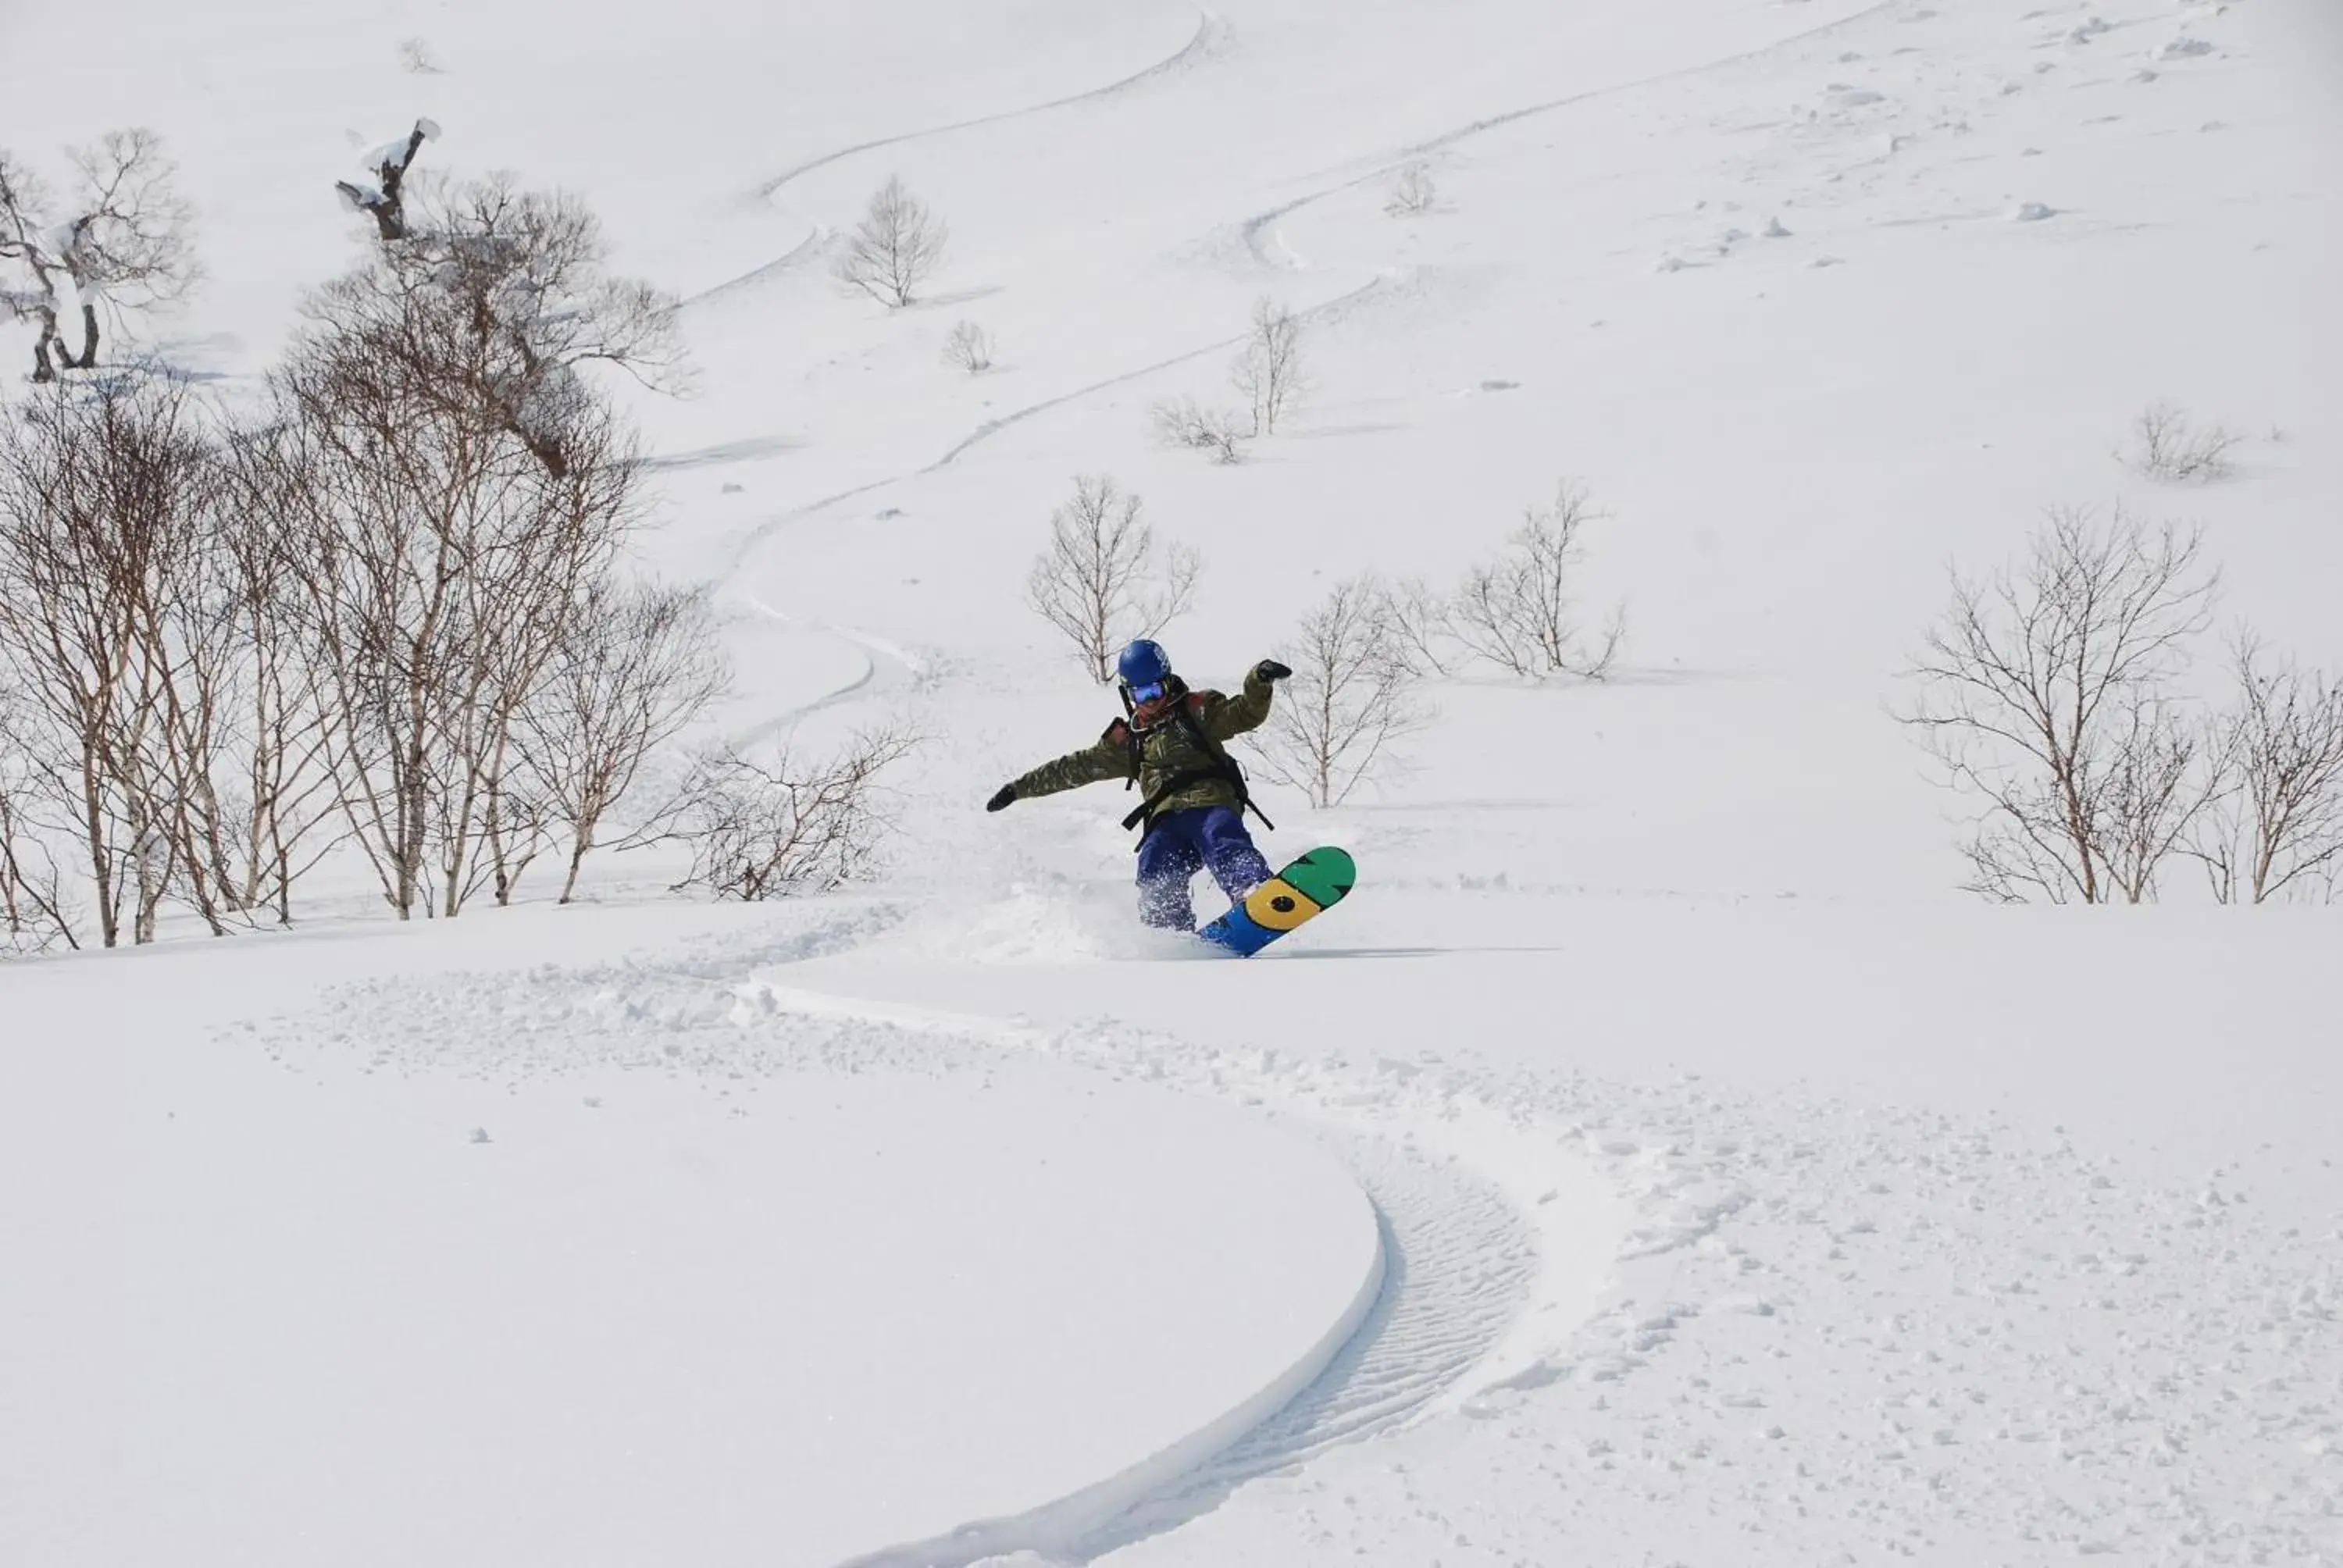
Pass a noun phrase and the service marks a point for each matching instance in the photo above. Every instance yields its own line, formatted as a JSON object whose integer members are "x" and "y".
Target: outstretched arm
{"x": 1226, "y": 717}
{"x": 1109, "y": 756}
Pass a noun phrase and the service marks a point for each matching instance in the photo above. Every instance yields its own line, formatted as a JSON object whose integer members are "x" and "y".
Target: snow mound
{"x": 866, "y": 1304}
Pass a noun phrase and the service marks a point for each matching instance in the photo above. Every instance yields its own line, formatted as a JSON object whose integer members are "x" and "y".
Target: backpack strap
{"x": 1223, "y": 767}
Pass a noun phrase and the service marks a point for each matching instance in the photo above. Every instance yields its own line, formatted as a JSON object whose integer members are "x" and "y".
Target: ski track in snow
{"x": 1881, "y": 1329}
{"x": 1460, "y": 1264}
{"x": 1383, "y": 167}
{"x": 897, "y": 663}
{"x": 1458, "y": 1269}
{"x": 886, "y": 667}
{"x": 757, "y": 536}
{"x": 1209, "y": 31}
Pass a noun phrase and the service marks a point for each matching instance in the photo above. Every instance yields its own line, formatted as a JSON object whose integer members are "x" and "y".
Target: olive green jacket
{"x": 1166, "y": 749}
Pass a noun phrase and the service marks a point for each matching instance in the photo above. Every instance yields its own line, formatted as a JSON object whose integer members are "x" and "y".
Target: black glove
{"x": 1269, "y": 672}
{"x": 1002, "y": 797}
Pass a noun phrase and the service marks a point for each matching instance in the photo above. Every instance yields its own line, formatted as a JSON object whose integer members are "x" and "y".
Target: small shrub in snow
{"x": 1183, "y": 422}
{"x": 1520, "y": 613}
{"x": 1412, "y": 191}
{"x": 766, "y": 828}
{"x": 1102, "y": 582}
{"x": 970, "y": 348}
{"x": 897, "y": 246}
{"x": 416, "y": 58}
{"x": 2170, "y": 449}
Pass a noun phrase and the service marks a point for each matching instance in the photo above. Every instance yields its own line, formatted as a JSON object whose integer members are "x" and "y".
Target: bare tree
{"x": 122, "y": 238}
{"x": 384, "y": 198}
{"x": 2280, "y": 824}
{"x": 1520, "y": 612}
{"x": 2043, "y": 694}
{"x": 289, "y": 805}
{"x": 1269, "y": 371}
{"x": 2171, "y": 447}
{"x": 970, "y": 348}
{"x": 495, "y": 311}
{"x": 71, "y": 566}
{"x": 469, "y": 487}
{"x": 1102, "y": 582}
{"x": 1183, "y": 422}
{"x": 766, "y": 829}
{"x": 896, "y": 248}
{"x": 1412, "y": 191}
{"x": 636, "y": 666}
{"x": 1351, "y": 698}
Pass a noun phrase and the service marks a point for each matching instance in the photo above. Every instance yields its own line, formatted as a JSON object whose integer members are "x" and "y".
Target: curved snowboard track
{"x": 1458, "y": 1267}
{"x": 1209, "y": 29}
{"x": 1254, "y": 229}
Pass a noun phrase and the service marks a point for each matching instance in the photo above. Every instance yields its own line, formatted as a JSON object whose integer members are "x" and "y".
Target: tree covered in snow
{"x": 493, "y": 307}
{"x": 118, "y": 238}
{"x": 383, "y": 196}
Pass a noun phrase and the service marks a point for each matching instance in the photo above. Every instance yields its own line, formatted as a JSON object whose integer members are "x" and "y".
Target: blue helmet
{"x": 1144, "y": 663}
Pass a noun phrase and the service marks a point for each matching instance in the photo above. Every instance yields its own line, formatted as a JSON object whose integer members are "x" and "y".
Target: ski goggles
{"x": 1151, "y": 692}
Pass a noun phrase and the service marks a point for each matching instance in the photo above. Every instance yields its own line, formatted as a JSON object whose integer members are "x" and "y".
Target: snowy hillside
{"x": 1658, "y": 1159}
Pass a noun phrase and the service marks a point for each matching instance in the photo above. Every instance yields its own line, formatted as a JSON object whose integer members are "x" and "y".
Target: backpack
{"x": 1223, "y": 766}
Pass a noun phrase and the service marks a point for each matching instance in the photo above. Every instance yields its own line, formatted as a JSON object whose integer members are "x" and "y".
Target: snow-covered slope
{"x": 1741, "y": 1194}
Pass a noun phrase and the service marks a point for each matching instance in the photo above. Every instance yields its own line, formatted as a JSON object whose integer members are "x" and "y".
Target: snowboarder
{"x": 1172, "y": 743}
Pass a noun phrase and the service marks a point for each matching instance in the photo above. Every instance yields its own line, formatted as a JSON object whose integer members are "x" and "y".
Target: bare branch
{"x": 768, "y": 828}
{"x": 636, "y": 664}
{"x": 2280, "y": 828}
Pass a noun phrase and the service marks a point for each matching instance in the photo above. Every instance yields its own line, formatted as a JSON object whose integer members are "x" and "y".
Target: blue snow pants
{"x": 1178, "y": 845}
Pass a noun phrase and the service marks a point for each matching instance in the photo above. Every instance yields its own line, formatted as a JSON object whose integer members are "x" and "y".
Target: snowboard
{"x": 1304, "y": 890}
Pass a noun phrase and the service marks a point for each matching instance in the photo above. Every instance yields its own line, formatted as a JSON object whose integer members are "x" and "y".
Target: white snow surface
{"x": 624, "y": 1286}
{"x": 1656, "y": 1160}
